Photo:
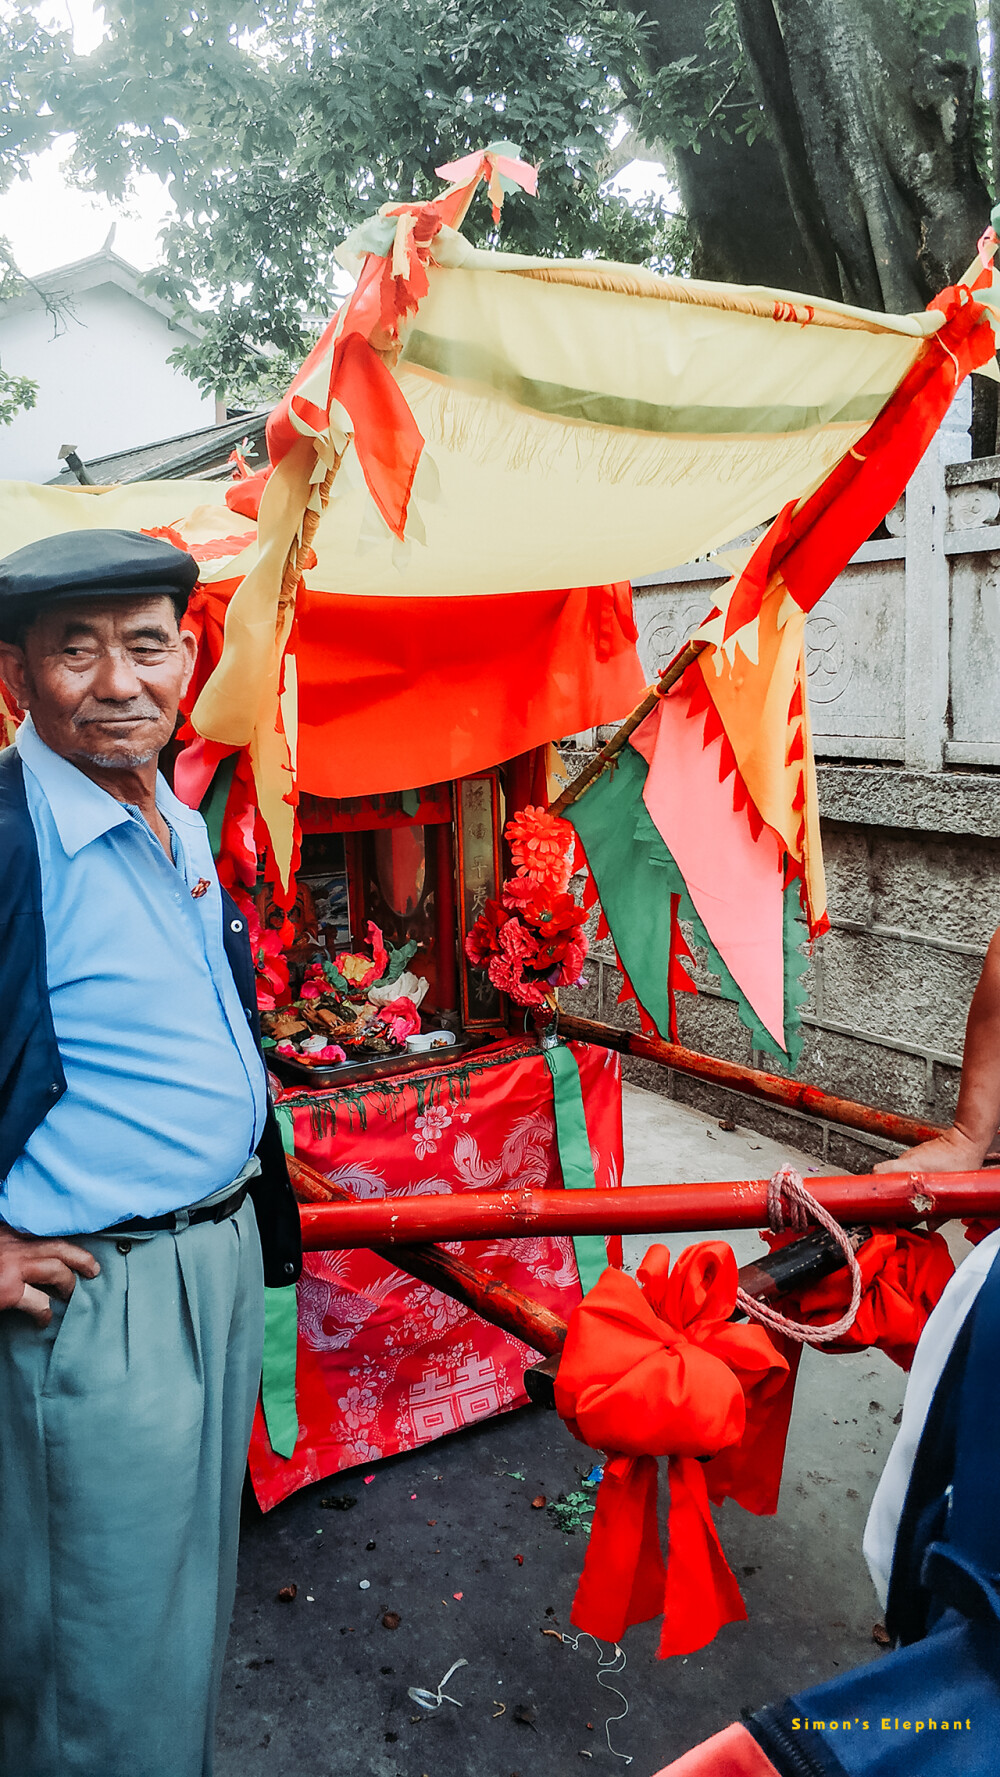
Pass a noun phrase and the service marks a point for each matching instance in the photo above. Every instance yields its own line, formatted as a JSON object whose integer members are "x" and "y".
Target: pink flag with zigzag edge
{"x": 733, "y": 876}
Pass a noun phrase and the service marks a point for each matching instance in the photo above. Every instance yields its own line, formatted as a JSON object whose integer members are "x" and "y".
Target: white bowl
{"x": 429, "y": 1039}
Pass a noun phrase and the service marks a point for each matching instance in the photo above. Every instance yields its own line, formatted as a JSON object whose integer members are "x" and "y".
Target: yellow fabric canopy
{"x": 587, "y": 423}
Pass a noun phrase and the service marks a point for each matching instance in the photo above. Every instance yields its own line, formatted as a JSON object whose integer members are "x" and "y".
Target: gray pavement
{"x": 318, "y": 1687}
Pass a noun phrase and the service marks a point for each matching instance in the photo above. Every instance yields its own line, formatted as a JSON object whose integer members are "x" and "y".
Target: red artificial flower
{"x": 517, "y": 943}
{"x": 510, "y": 978}
{"x": 556, "y": 919}
{"x": 541, "y": 846}
{"x": 483, "y": 940}
{"x": 400, "y": 1017}
{"x": 269, "y": 961}
{"x": 572, "y": 964}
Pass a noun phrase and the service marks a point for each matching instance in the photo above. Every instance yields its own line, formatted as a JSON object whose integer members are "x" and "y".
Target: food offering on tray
{"x": 350, "y": 1007}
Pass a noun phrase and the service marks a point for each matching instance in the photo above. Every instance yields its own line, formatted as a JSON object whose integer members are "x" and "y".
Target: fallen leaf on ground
{"x": 391, "y": 1619}
{"x": 539, "y": 1502}
{"x": 458, "y": 1595}
{"x": 520, "y": 1560}
{"x": 286, "y": 1594}
{"x": 880, "y": 1635}
{"x": 339, "y": 1502}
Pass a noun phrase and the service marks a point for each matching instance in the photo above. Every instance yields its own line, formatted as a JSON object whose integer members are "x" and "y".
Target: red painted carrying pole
{"x": 877, "y": 1198}
{"x": 796, "y": 1094}
{"x": 497, "y": 1302}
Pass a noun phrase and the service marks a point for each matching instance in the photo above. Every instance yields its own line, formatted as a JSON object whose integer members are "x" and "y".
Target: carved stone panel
{"x": 975, "y": 648}
{"x": 854, "y": 658}
{"x": 665, "y": 617}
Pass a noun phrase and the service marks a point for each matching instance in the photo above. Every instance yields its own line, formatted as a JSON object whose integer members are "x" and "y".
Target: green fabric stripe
{"x": 573, "y": 1144}
{"x": 636, "y": 876}
{"x": 464, "y": 362}
{"x": 277, "y": 1383}
{"x": 213, "y": 803}
{"x": 281, "y": 1338}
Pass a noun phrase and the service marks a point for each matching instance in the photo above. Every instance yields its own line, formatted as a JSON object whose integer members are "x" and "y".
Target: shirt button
{"x": 249, "y": 1014}
{"x": 54, "y": 1088}
{"x": 236, "y": 925}
{"x": 124, "y": 1247}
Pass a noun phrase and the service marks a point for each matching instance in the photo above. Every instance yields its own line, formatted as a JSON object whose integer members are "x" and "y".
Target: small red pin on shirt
{"x": 201, "y": 887}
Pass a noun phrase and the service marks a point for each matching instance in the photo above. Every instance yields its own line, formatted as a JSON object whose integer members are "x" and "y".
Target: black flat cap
{"x": 90, "y": 564}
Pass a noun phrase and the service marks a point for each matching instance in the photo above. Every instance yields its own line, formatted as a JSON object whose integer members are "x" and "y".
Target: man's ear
{"x": 189, "y": 648}
{"x": 14, "y": 673}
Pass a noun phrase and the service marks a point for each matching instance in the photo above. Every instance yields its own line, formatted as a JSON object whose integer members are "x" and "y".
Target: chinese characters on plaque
{"x": 478, "y": 825}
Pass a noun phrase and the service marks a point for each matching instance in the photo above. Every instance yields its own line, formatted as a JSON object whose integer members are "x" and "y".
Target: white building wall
{"x": 104, "y": 383}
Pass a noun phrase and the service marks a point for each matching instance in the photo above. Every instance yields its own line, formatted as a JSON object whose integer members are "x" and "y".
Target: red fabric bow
{"x": 658, "y": 1370}
{"x": 903, "y": 1274}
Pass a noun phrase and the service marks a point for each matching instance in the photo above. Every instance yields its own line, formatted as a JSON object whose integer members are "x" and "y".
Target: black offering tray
{"x": 371, "y": 1067}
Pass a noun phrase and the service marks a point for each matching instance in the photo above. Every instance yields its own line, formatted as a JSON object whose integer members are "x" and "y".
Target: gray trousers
{"x": 124, "y": 1428}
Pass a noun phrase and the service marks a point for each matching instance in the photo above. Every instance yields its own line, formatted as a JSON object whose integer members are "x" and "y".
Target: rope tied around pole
{"x": 789, "y": 1204}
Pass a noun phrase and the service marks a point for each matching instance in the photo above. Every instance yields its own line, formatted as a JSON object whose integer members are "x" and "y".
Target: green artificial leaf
{"x": 334, "y": 976}
{"x": 398, "y": 960}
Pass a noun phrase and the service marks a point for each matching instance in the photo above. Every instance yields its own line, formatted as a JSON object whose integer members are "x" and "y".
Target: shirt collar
{"x": 81, "y": 810}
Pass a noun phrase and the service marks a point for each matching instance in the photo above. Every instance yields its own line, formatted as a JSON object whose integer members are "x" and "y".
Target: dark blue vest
{"x": 31, "y": 1072}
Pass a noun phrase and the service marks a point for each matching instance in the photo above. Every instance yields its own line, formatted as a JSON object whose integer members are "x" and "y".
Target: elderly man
{"x": 136, "y": 1144}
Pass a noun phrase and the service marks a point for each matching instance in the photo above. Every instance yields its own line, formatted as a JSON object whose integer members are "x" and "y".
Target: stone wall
{"x": 904, "y": 659}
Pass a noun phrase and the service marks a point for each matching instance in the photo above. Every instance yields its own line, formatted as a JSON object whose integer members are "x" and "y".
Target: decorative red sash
{"x": 903, "y": 1273}
{"x": 653, "y": 1368}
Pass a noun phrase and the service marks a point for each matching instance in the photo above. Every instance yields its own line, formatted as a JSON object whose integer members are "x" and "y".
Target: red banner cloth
{"x": 733, "y": 1753}
{"x": 653, "y": 1368}
{"x": 386, "y": 1363}
{"x": 399, "y": 692}
{"x": 903, "y": 1275}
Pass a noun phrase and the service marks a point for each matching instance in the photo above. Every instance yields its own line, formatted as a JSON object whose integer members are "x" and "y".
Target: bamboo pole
{"x": 795, "y": 1094}
{"x": 609, "y": 753}
{"x": 878, "y": 1199}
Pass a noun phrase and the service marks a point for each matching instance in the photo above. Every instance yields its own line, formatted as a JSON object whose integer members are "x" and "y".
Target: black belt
{"x": 179, "y": 1219}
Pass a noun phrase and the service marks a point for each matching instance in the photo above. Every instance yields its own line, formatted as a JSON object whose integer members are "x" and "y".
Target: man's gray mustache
{"x": 138, "y": 712}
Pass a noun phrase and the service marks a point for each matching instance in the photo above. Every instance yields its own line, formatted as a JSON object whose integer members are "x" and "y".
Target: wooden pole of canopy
{"x": 877, "y": 1199}
{"x": 496, "y": 1302}
{"x": 795, "y": 1094}
{"x": 609, "y": 753}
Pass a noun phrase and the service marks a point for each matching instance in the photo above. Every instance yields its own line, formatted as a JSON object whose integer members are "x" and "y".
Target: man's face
{"x": 103, "y": 678}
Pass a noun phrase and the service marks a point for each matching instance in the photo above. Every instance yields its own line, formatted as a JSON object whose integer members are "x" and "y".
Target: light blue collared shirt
{"x": 165, "y": 1091}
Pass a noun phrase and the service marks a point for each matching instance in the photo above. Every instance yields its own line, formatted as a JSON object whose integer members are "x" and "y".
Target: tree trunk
{"x": 867, "y": 189}
{"x": 886, "y": 128}
{"x": 993, "y": 17}
{"x": 746, "y": 229}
